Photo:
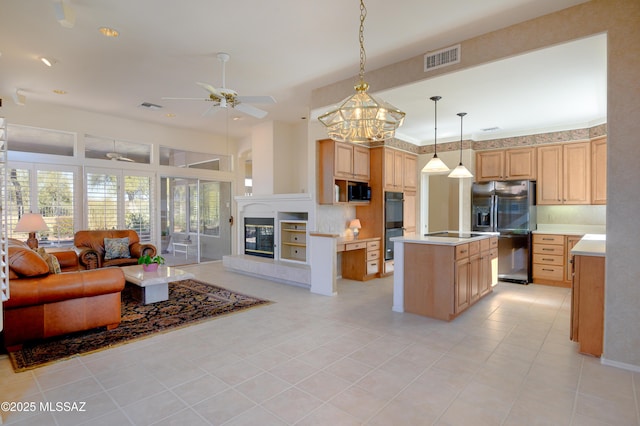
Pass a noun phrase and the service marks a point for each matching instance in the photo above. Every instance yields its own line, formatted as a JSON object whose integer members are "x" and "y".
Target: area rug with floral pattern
{"x": 190, "y": 301}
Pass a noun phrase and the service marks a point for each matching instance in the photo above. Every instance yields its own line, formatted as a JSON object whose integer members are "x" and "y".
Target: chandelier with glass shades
{"x": 460, "y": 171}
{"x": 361, "y": 117}
{"x": 435, "y": 165}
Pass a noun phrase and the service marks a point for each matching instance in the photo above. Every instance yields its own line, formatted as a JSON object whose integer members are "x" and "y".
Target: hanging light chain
{"x": 362, "y": 86}
{"x": 461, "y": 115}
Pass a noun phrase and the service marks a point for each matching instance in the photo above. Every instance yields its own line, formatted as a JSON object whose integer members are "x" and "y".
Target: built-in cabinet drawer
{"x": 474, "y": 248}
{"x": 373, "y": 267}
{"x": 548, "y": 239}
{"x": 548, "y": 272}
{"x": 462, "y": 251}
{"x": 356, "y": 246}
{"x": 548, "y": 259}
{"x": 548, "y": 249}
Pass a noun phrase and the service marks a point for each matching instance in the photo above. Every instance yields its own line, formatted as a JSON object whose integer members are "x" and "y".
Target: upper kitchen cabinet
{"x": 506, "y": 164}
{"x": 599, "y": 170}
{"x": 564, "y": 174}
{"x": 400, "y": 170}
{"x": 351, "y": 161}
{"x": 339, "y": 164}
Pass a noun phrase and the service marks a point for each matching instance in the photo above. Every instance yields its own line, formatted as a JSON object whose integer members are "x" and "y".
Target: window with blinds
{"x": 102, "y": 201}
{"x": 48, "y": 192}
{"x": 116, "y": 200}
{"x": 18, "y": 199}
{"x": 55, "y": 204}
{"x": 210, "y": 208}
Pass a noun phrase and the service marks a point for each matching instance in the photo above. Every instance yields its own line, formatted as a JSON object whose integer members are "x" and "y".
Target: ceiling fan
{"x": 224, "y": 97}
{"x": 116, "y": 156}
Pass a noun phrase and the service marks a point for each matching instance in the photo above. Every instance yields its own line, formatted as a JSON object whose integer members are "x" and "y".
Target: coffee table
{"x": 152, "y": 287}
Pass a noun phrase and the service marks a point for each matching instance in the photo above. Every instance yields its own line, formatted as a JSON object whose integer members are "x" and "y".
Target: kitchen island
{"x": 440, "y": 276}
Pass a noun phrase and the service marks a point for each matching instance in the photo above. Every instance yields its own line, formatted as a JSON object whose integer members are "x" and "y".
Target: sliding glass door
{"x": 195, "y": 220}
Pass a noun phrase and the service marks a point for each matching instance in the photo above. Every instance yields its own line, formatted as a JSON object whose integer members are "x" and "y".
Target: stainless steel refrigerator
{"x": 507, "y": 207}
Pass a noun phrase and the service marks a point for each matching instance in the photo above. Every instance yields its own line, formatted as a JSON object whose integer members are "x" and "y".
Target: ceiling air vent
{"x": 442, "y": 58}
{"x": 150, "y": 105}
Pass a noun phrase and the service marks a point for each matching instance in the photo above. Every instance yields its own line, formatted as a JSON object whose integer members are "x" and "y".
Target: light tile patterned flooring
{"x": 344, "y": 360}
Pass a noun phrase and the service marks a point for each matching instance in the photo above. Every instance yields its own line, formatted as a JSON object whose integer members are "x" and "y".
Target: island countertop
{"x": 590, "y": 245}
{"x": 442, "y": 240}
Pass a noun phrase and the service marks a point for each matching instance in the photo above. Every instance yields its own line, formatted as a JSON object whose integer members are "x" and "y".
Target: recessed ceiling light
{"x": 48, "y": 61}
{"x": 170, "y": 115}
{"x": 59, "y": 92}
{"x": 109, "y": 32}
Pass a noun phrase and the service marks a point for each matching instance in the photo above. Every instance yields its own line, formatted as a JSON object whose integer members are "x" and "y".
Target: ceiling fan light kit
{"x": 362, "y": 117}
{"x": 223, "y": 97}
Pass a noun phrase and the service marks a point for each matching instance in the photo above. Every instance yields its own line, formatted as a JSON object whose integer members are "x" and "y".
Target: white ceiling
{"x": 287, "y": 48}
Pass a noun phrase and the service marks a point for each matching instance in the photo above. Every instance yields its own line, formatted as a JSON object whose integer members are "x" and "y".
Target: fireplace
{"x": 258, "y": 236}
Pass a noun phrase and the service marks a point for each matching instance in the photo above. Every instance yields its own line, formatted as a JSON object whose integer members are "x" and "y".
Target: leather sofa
{"x": 90, "y": 247}
{"x": 43, "y": 304}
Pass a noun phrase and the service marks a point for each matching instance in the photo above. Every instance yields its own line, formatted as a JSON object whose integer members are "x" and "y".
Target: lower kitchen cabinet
{"x": 442, "y": 281}
{"x": 587, "y": 304}
{"x": 360, "y": 259}
{"x": 551, "y": 261}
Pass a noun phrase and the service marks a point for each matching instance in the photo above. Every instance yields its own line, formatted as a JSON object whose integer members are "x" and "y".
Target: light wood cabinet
{"x": 442, "y": 281}
{"x": 506, "y": 164}
{"x": 361, "y": 259}
{"x": 552, "y": 259}
{"x": 338, "y": 164}
{"x": 293, "y": 240}
{"x": 599, "y": 171}
{"x": 520, "y": 164}
{"x": 409, "y": 213}
{"x": 587, "y": 304}
{"x": 564, "y": 174}
{"x": 400, "y": 171}
{"x": 410, "y": 178}
{"x": 549, "y": 259}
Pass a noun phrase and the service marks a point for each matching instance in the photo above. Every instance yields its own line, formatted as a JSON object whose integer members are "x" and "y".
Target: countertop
{"x": 450, "y": 241}
{"x": 590, "y": 245}
{"x": 568, "y": 229}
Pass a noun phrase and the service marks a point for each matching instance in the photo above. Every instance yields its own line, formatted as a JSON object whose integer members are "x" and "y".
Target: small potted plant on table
{"x": 150, "y": 264}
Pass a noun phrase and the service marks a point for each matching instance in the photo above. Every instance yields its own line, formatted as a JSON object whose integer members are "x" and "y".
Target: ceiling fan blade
{"x": 251, "y": 110}
{"x": 211, "y": 110}
{"x": 209, "y": 88}
{"x": 256, "y": 99}
{"x": 185, "y": 99}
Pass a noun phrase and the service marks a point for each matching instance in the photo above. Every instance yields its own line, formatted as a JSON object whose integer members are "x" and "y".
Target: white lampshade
{"x": 355, "y": 224}
{"x": 31, "y": 222}
{"x": 435, "y": 165}
{"x": 460, "y": 172}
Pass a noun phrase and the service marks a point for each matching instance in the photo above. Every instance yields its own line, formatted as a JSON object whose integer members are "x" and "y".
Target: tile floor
{"x": 344, "y": 360}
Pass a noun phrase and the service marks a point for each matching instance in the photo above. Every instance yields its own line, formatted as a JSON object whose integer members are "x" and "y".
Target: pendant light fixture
{"x": 362, "y": 117}
{"x": 435, "y": 165}
{"x": 460, "y": 171}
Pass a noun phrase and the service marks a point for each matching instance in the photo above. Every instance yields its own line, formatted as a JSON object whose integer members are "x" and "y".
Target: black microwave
{"x": 359, "y": 192}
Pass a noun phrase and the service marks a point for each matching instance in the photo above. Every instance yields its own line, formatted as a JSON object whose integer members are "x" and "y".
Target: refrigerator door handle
{"x": 494, "y": 213}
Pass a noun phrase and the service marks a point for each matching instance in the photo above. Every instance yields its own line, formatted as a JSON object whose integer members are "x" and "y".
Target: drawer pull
{"x": 547, "y": 249}
{"x": 550, "y": 270}
{"x": 463, "y": 251}
{"x": 548, "y": 239}
{"x": 548, "y": 260}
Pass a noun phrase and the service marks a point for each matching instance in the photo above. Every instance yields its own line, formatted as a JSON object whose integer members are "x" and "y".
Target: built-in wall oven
{"x": 393, "y": 220}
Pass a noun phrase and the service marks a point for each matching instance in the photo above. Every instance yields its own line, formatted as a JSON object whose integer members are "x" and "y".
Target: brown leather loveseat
{"x": 44, "y": 304}
{"x": 90, "y": 247}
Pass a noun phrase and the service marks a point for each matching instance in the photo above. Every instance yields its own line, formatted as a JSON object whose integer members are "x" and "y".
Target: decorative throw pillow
{"x": 52, "y": 261}
{"x": 116, "y": 248}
